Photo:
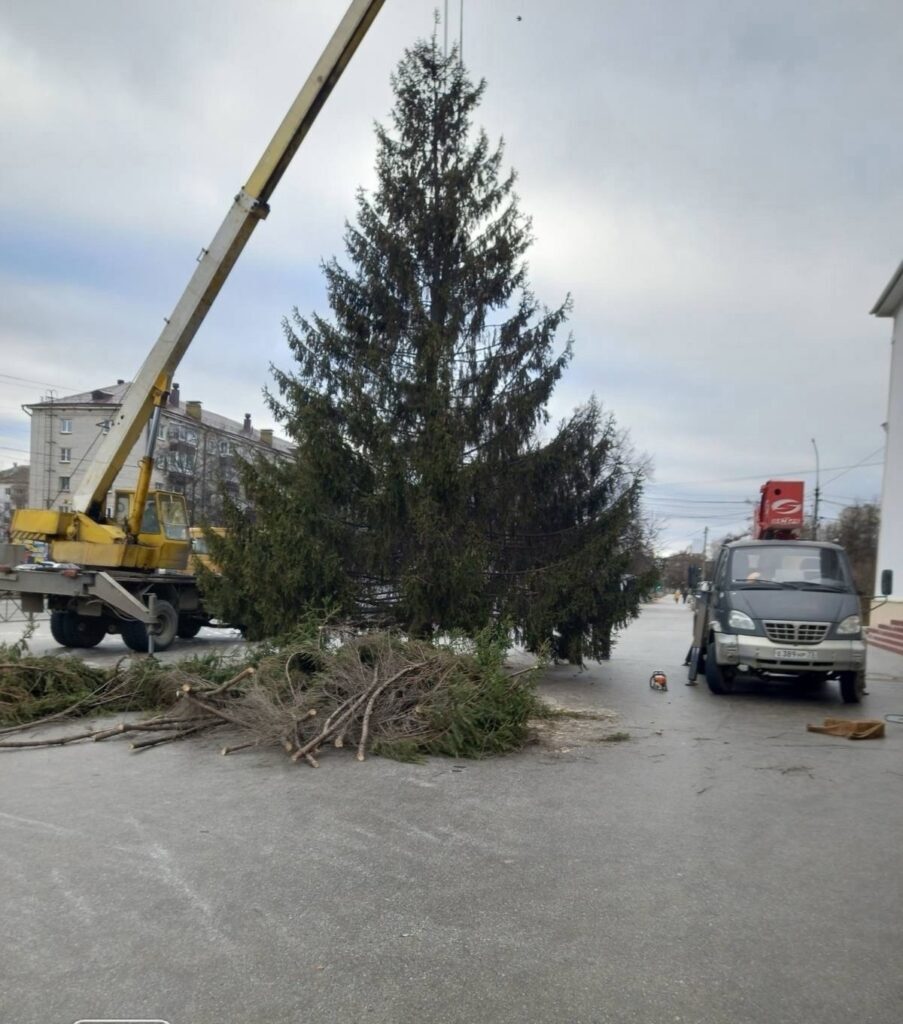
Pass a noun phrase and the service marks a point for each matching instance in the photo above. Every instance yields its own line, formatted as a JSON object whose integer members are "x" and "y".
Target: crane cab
{"x": 164, "y": 527}
{"x": 163, "y": 540}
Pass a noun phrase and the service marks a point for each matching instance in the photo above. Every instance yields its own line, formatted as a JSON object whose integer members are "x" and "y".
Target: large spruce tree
{"x": 428, "y": 489}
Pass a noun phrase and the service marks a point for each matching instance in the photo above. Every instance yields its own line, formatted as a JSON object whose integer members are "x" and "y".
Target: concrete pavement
{"x": 723, "y": 865}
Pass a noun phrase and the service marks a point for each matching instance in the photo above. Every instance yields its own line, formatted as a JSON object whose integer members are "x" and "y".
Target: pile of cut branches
{"x": 40, "y": 688}
{"x": 374, "y": 692}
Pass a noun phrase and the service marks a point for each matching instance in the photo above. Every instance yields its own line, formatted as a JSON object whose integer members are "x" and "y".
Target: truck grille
{"x": 796, "y": 632}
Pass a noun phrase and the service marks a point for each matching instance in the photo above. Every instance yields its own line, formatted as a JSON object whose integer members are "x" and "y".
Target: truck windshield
{"x": 172, "y": 512}
{"x": 789, "y": 564}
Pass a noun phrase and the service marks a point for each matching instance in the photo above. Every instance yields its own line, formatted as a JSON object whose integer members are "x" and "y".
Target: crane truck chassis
{"x": 149, "y": 610}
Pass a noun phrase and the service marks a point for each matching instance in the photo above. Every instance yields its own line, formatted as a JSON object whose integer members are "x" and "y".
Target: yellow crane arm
{"x": 215, "y": 263}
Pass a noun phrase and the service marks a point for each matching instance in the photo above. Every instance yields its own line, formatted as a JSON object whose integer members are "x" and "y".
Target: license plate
{"x": 789, "y": 654}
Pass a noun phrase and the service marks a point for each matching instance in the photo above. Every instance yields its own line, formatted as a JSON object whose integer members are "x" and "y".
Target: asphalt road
{"x": 111, "y": 648}
{"x": 722, "y": 866}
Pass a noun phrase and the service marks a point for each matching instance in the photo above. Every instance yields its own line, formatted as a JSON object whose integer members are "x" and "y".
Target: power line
{"x": 714, "y": 509}
{"x": 698, "y": 501}
{"x": 852, "y": 499}
{"x": 856, "y": 465}
{"x": 758, "y": 476}
{"x": 848, "y": 504}
{"x": 36, "y": 383}
{"x": 717, "y": 520}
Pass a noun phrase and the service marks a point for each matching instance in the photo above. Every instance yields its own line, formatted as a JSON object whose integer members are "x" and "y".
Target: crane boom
{"x": 215, "y": 263}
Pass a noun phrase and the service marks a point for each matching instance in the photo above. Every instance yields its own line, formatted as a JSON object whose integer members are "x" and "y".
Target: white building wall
{"x": 890, "y": 543}
{"x": 52, "y": 443}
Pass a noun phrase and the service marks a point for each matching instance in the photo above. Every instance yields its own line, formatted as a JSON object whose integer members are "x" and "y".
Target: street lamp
{"x": 817, "y": 493}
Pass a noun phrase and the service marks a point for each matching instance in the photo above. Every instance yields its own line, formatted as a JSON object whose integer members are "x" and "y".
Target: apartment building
{"x": 195, "y": 455}
{"x": 13, "y": 494}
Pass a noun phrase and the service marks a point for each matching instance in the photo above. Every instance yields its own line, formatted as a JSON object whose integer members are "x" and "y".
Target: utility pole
{"x": 705, "y": 548}
{"x": 817, "y": 493}
{"x": 460, "y": 31}
{"x": 48, "y": 500}
{"x": 461, "y": 34}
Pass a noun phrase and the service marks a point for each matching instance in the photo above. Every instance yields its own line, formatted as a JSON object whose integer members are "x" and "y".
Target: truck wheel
{"x": 718, "y": 678}
{"x": 852, "y": 686}
{"x": 86, "y": 631}
{"x": 58, "y": 630}
{"x": 72, "y": 630}
{"x": 189, "y": 628}
{"x": 694, "y": 663}
{"x": 134, "y": 633}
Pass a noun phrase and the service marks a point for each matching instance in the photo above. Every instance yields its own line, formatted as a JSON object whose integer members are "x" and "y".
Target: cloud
{"x": 716, "y": 183}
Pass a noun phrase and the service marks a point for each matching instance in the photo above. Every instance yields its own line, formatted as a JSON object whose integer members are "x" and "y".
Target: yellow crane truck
{"x": 125, "y": 573}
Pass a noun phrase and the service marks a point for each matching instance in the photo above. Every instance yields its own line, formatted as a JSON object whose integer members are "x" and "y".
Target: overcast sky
{"x": 716, "y": 182}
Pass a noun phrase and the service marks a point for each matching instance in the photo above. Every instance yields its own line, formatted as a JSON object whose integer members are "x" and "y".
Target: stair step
{"x": 895, "y": 632}
{"x": 886, "y": 645}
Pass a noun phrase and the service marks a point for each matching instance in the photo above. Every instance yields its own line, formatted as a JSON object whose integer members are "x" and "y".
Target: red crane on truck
{"x": 779, "y": 514}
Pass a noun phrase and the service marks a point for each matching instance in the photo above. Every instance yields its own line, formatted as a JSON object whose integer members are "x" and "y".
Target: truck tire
{"x": 134, "y": 633}
{"x": 693, "y": 663}
{"x": 189, "y": 628}
{"x": 852, "y": 687}
{"x": 72, "y": 630}
{"x": 58, "y": 629}
{"x": 719, "y": 679}
{"x": 86, "y": 630}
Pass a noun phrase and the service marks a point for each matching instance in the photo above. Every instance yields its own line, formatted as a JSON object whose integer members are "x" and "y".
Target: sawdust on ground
{"x": 568, "y": 728}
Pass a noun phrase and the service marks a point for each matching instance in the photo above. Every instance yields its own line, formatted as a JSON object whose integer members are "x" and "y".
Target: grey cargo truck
{"x": 781, "y": 609}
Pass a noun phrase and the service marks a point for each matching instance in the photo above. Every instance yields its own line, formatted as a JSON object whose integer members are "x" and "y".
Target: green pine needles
{"x": 428, "y": 490}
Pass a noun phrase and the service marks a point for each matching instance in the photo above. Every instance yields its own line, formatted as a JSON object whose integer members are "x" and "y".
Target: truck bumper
{"x": 758, "y": 652}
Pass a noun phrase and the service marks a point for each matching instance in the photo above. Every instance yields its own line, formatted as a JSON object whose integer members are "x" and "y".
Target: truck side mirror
{"x": 887, "y": 582}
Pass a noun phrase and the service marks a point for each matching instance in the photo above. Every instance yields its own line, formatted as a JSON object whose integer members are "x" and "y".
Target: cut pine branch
{"x": 365, "y": 726}
{"x": 159, "y": 740}
{"x": 58, "y": 741}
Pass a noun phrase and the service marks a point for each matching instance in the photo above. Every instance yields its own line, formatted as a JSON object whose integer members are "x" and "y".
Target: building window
{"x": 65, "y": 506}
{"x": 64, "y": 483}
{"x": 181, "y": 433}
{"x": 65, "y": 426}
{"x": 225, "y": 448}
{"x": 104, "y": 426}
{"x": 65, "y": 454}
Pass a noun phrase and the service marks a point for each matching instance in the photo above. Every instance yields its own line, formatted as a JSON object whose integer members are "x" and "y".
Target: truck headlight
{"x": 740, "y": 620}
{"x": 850, "y": 626}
